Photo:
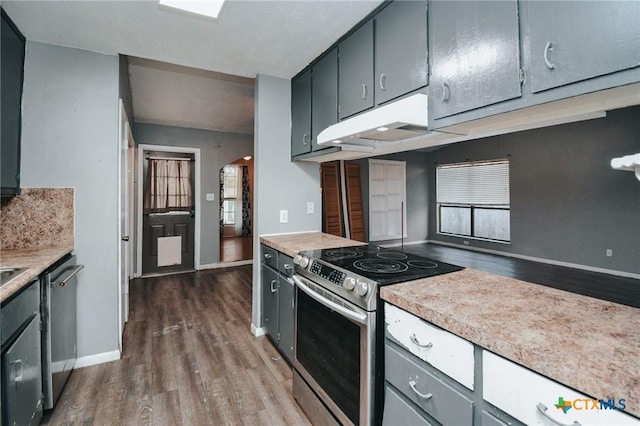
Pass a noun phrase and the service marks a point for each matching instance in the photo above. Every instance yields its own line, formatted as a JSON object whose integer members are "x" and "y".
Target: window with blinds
{"x": 473, "y": 200}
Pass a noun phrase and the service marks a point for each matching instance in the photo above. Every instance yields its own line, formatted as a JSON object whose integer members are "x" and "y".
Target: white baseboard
{"x": 257, "y": 331}
{"x": 89, "y": 360}
{"x": 541, "y": 260}
{"x": 225, "y": 264}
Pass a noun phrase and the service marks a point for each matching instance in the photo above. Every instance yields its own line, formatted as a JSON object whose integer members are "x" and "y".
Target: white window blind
{"x": 484, "y": 183}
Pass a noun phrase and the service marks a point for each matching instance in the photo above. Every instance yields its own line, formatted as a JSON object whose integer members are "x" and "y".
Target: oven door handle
{"x": 359, "y": 317}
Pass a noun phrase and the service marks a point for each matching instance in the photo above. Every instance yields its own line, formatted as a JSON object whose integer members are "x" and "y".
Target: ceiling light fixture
{"x": 337, "y": 141}
{"x": 210, "y": 8}
{"x": 382, "y": 129}
{"x": 247, "y": 158}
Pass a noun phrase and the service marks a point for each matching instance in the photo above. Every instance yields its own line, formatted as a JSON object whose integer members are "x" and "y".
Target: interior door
{"x": 168, "y": 237}
{"x": 123, "y": 287}
{"x": 387, "y": 200}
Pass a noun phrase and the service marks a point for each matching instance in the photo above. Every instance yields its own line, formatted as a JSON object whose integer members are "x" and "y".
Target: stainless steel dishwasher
{"x": 59, "y": 327}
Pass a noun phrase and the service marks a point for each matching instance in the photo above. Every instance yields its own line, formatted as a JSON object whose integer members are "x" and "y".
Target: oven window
{"x": 328, "y": 346}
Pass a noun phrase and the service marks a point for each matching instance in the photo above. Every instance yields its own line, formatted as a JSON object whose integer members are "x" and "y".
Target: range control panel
{"x": 328, "y": 273}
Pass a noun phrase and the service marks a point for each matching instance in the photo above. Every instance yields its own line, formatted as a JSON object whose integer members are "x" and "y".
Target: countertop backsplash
{"x": 37, "y": 218}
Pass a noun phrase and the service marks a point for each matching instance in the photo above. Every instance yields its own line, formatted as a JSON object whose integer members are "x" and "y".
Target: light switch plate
{"x": 284, "y": 216}
{"x": 310, "y": 207}
{"x": 211, "y": 196}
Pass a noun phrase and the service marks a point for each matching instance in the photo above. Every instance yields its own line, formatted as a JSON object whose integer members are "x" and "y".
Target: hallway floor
{"x": 233, "y": 249}
{"x": 189, "y": 359}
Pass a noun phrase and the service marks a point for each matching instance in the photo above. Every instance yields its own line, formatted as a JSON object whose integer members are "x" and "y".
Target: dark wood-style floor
{"x": 189, "y": 359}
{"x": 602, "y": 286}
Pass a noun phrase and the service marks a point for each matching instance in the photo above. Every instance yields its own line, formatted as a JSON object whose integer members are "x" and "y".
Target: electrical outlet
{"x": 466, "y": 243}
{"x": 609, "y": 252}
{"x": 284, "y": 216}
{"x": 310, "y": 207}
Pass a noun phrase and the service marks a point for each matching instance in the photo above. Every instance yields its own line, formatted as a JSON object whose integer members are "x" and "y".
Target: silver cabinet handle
{"x": 383, "y": 81}
{"x": 548, "y": 48}
{"x": 543, "y": 409}
{"x": 364, "y": 91}
{"x": 16, "y": 370}
{"x": 288, "y": 267}
{"x": 425, "y": 396}
{"x": 73, "y": 273}
{"x": 446, "y": 91}
{"x": 267, "y": 256}
{"x": 273, "y": 287}
{"x": 305, "y": 139}
{"x": 415, "y": 341}
{"x": 125, "y": 238}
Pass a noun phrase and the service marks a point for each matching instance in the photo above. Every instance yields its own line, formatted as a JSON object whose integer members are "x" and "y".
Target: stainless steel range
{"x": 339, "y": 328}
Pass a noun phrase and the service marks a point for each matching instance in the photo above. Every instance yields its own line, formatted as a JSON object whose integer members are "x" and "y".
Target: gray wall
{"x": 124, "y": 87}
{"x": 70, "y": 139}
{"x": 417, "y": 190}
{"x": 279, "y": 183}
{"x": 567, "y": 203}
{"x": 216, "y": 150}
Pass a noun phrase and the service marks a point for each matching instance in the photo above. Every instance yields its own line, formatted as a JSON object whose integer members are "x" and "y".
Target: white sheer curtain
{"x": 168, "y": 186}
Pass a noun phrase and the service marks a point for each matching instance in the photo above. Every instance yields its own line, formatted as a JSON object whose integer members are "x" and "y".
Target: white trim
{"x": 258, "y": 331}
{"x": 164, "y": 274}
{"x": 196, "y": 240}
{"x": 406, "y": 243}
{"x": 220, "y": 265}
{"x": 95, "y": 359}
{"x": 541, "y": 260}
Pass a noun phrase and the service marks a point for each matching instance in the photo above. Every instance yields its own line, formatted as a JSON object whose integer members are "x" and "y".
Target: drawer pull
{"x": 425, "y": 396}
{"x": 274, "y": 287}
{"x": 543, "y": 409}
{"x": 415, "y": 341}
{"x": 288, "y": 267}
{"x": 267, "y": 256}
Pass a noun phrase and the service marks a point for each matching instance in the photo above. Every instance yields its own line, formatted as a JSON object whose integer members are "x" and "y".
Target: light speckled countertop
{"x": 588, "y": 344}
{"x": 36, "y": 261}
{"x": 291, "y": 244}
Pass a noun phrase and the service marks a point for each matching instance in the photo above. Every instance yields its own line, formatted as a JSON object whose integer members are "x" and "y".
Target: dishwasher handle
{"x": 71, "y": 274}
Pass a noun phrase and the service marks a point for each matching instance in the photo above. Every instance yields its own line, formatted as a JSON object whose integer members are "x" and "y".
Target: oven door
{"x": 334, "y": 351}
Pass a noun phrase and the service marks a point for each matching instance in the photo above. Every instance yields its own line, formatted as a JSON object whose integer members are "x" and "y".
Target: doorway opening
{"x": 236, "y": 195}
{"x": 169, "y": 205}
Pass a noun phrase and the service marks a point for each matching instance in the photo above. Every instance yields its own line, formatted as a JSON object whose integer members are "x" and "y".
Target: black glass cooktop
{"x": 385, "y": 266}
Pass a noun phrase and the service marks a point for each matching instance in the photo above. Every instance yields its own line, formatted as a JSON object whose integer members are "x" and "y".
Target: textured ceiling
{"x": 277, "y": 38}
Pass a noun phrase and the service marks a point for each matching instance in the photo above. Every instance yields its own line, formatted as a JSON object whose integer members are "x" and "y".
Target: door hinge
{"x": 522, "y": 76}
{"x": 40, "y": 325}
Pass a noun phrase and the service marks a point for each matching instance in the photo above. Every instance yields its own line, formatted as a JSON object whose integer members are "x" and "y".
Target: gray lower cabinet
{"x": 324, "y": 96}
{"x": 22, "y": 402}
{"x": 277, "y": 299}
{"x": 355, "y": 72}
{"x": 603, "y": 37}
{"x": 301, "y": 114}
{"x": 475, "y": 55}
{"x": 426, "y": 388}
{"x": 400, "y": 49}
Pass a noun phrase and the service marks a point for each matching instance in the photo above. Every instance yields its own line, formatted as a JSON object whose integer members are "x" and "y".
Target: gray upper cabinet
{"x": 571, "y": 41}
{"x": 301, "y": 114}
{"x": 324, "y": 96}
{"x": 400, "y": 49}
{"x": 355, "y": 70}
{"x": 475, "y": 55}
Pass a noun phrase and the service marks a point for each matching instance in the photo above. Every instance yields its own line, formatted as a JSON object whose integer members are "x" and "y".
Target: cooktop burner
{"x": 384, "y": 266}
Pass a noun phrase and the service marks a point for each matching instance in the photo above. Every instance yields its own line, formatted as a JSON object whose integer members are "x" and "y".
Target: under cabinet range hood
{"x": 628, "y": 162}
{"x": 399, "y": 120}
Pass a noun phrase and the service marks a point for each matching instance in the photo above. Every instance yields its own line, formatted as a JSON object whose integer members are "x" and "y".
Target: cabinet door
{"x": 285, "y": 317}
{"x": 355, "y": 70}
{"x": 570, "y": 41}
{"x": 270, "y": 301}
{"x": 301, "y": 114}
{"x": 475, "y": 55}
{"x": 22, "y": 377}
{"x": 324, "y": 96}
{"x": 401, "y": 49}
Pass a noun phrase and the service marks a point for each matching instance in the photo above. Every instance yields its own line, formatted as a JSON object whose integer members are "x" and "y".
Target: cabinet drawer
{"x": 524, "y": 394}
{"x": 270, "y": 257}
{"x": 399, "y": 412}
{"x": 445, "y": 351}
{"x": 18, "y": 310}
{"x": 285, "y": 265}
{"x": 430, "y": 393}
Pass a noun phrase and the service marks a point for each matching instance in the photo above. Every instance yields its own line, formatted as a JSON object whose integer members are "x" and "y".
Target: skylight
{"x": 210, "y": 8}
